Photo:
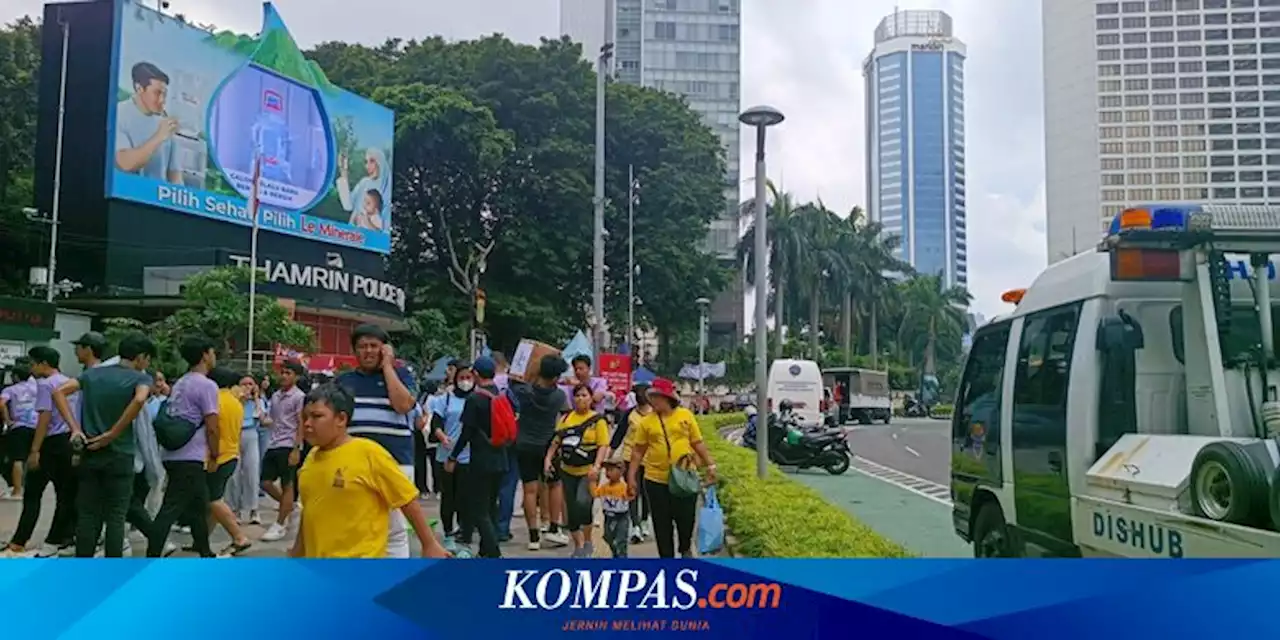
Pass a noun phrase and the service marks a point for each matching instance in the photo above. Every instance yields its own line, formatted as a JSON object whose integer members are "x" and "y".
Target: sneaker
{"x": 558, "y": 538}
{"x": 254, "y": 518}
{"x": 18, "y": 553}
{"x": 46, "y": 551}
{"x": 273, "y": 533}
{"x": 10, "y": 495}
{"x": 128, "y": 549}
{"x": 169, "y": 549}
{"x": 535, "y": 545}
{"x": 589, "y": 550}
{"x": 637, "y": 536}
{"x": 181, "y": 529}
{"x": 645, "y": 530}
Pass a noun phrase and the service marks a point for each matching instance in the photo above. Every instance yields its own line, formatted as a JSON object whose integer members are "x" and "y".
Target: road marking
{"x": 895, "y": 435}
{"x": 915, "y": 484}
{"x": 911, "y": 451}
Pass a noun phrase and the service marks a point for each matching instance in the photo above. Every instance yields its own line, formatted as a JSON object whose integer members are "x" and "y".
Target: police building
{"x": 163, "y": 154}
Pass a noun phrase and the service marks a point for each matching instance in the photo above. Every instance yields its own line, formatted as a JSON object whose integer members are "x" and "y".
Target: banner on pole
{"x": 615, "y": 368}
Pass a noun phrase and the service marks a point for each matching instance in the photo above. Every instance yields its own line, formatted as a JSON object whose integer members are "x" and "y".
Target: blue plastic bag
{"x": 710, "y": 524}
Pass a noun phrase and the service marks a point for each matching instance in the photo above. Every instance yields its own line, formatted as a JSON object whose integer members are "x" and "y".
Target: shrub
{"x": 778, "y": 517}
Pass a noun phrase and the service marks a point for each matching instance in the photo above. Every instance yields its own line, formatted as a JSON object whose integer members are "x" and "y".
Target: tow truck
{"x": 1127, "y": 406}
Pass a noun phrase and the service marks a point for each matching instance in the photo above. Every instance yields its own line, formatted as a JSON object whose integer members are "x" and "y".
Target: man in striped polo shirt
{"x": 385, "y": 396}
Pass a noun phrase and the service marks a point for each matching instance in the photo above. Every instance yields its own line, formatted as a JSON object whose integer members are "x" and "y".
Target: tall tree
{"x": 19, "y": 75}
{"x": 934, "y": 309}
{"x": 787, "y": 244}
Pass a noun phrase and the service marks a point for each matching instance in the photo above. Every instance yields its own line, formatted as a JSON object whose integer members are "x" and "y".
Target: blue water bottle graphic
{"x": 271, "y": 138}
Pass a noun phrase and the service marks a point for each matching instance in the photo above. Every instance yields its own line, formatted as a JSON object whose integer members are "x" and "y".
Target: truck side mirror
{"x": 1119, "y": 334}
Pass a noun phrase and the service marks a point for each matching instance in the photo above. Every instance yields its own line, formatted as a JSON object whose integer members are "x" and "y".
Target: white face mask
{"x": 466, "y": 385}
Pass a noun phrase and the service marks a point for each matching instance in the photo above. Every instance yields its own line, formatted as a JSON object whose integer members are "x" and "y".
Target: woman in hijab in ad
{"x": 369, "y": 202}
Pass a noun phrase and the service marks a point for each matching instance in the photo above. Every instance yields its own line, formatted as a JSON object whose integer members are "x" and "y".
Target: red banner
{"x": 616, "y": 370}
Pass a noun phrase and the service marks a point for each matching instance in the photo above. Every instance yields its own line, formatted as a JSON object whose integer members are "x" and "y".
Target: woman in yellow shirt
{"x": 665, "y": 436}
{"x": 578, "y": 450}
{"x": 230, "y": 420}
{"x": 349, "y": 486}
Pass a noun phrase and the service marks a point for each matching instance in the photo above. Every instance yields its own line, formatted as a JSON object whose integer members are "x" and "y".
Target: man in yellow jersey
{"x": 349, "y": 487}
{"x": 230, "y": 419}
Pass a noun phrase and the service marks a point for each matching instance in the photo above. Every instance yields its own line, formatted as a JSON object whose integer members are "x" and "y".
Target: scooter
{"x": 791, "y": 446}
{"x": 913, "y": 408}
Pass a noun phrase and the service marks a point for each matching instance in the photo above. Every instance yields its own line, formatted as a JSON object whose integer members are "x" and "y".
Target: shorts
{"x": 275, "y": 466}
{"x": 18, "y": 442}
{"x": 531, "y": 465}
{"x": 218, "y": 479}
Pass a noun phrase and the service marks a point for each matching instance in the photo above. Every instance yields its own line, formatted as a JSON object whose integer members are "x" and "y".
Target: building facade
{"x": 1154, "y": 101}
{"x": 915, "y": 141}
{"x": 691, "y": 48}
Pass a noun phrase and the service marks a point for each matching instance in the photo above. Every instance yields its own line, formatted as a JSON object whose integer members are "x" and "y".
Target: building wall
{"x": 1183, "y": 105}
{"x": 915, "y": 153}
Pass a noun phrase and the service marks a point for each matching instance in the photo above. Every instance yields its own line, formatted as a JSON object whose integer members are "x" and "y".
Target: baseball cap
{"x": 93, "y": 340}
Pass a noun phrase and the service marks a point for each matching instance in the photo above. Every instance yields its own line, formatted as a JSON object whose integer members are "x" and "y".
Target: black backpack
{"x": 172, "y": 432}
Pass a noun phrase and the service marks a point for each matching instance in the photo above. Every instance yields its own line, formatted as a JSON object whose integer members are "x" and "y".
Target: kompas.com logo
{"x": 631, "y": 589}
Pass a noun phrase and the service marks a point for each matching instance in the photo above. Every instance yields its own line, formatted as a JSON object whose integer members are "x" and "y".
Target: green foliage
{"x": 216, "y": 305}
{"x": 430, "y": 337}
{"x": 21, "y": 240}
{"x": 494, "y": 168}
{"x": 778, "y": 517}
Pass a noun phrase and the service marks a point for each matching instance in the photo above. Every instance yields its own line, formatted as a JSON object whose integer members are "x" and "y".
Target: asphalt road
{"x": 919, "y": 447}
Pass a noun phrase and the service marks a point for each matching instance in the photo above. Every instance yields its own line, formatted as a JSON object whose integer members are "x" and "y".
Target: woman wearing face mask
{"x": 446, "y": 426}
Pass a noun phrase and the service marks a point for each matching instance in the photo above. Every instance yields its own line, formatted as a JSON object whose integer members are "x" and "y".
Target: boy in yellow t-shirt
{"x": 616, "y": 506}
{"x": 349, "y": 487}
{"x": 230, "y": 416}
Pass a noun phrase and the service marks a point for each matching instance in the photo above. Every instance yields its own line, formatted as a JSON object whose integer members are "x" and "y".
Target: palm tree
{"x": 821, "y": 266}
{"x": 935, "y": 309}
{"x": 787, "y": 246}
{"x": 868, "y": 262}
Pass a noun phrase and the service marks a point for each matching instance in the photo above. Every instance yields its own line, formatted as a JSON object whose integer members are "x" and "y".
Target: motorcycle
{"x": 913, "y": 408}
{"x": 790, "y": 445}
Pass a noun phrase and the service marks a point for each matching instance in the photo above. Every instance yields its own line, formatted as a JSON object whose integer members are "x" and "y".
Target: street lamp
{"x": 633, "y": 198}
{"x": 702, "y": 303}
{"x": 761, "y": 117}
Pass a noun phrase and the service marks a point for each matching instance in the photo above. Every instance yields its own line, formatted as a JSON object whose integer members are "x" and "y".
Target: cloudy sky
{"x": 804, "y": 57}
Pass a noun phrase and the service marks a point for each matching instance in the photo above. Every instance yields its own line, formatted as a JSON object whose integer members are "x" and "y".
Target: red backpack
{"x": 502, "y": 419}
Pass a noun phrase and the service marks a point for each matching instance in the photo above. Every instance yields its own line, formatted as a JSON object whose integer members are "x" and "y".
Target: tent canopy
{"x": 643, "y": 375}
{"x": 580, "y": 345}
{"x": 438, "y": 369}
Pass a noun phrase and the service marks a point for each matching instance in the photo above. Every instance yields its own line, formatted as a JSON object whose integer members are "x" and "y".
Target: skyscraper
{"x": 692, "y": 48}
{"x": 915, "y": 140}
{"x": 1157, "y": 100}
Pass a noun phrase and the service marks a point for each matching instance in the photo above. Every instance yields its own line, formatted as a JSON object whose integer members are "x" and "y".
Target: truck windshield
{"x": 1244, "y": 335}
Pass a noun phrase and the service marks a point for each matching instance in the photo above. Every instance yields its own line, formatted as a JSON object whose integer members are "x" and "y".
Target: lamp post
{"x": 597, "y": 270}
{"x": 761, "y": 117}
{"x": 702, "y": 303}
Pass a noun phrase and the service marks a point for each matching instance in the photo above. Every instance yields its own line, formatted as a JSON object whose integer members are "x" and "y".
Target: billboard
{"x": 192, "y": 112}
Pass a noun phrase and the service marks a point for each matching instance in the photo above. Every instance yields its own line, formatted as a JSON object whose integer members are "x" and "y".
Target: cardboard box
{"x": 527, "y": 357}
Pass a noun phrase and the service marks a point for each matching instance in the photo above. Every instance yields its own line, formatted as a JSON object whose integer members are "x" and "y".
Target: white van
{"x": 799, "y": 381}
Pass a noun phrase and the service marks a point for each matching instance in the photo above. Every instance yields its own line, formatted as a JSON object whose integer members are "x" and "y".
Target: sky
{"x": 803, "y": 57}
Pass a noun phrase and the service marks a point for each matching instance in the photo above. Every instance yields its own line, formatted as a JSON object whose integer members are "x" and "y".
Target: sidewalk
{"x": 516, "y": 548}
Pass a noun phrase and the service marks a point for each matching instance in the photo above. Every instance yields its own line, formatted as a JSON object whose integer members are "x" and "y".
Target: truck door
{"x": 1041, "y": 492}
{"x": 975, "y": 426}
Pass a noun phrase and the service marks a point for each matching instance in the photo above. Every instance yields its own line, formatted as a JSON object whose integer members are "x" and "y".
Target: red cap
{"x": 663, "y": 387}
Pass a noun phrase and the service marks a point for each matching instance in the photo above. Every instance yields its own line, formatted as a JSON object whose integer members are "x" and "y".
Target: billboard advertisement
{"x": 193, "y": 112}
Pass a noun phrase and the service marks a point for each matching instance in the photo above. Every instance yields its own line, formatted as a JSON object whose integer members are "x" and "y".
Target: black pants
{"x": 437, "y": 472}
{"x": 138, "y": 516}
{"x": 420, "y": 463}
{"x": 640, "y": 506}
{"x": 480, "y": 500}
{"x": 672, "y": 517}
{"x": 187, "y": 497}
{"x": 450, "y": 500}
{"x": 102, "y": 502}
{"x": 56, "y": 468}
{"x": 578, "y": 503}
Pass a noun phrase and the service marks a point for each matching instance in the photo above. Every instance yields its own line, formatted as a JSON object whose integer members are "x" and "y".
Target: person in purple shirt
{"x": 582, "y": 375}
{"x": 284, "y": 447}
{"x": 193, "y": 398}
{"x": 49, "y": 461}
{"x": 18, "y": 413}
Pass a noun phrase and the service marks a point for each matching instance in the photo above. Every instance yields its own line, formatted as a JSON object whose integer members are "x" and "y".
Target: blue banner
{"x": 731, "y": 598}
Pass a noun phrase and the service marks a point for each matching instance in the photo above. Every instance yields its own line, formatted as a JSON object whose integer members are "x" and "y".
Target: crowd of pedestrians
{"x": 347, "y": 461}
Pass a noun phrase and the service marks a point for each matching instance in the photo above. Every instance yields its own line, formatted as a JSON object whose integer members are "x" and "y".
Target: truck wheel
{"x": 888, "y": 417}
{"x": 864, "y": 417}
{"x": 1227, "y": 484}
{"x": 990, "y": 534}
{"x": 1275, "y": 501}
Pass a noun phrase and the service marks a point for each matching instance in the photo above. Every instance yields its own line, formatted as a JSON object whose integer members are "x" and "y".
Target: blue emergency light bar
{"x": 1164, "y": 217}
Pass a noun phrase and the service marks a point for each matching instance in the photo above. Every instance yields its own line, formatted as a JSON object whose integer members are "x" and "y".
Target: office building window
{"x": 664, "y": 30}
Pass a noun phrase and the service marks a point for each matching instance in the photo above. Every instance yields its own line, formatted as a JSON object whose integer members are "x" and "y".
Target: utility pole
{"x": 633, "y": 198}
{"x": 57, "y": 166}
{"x": 597, "y": 284}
